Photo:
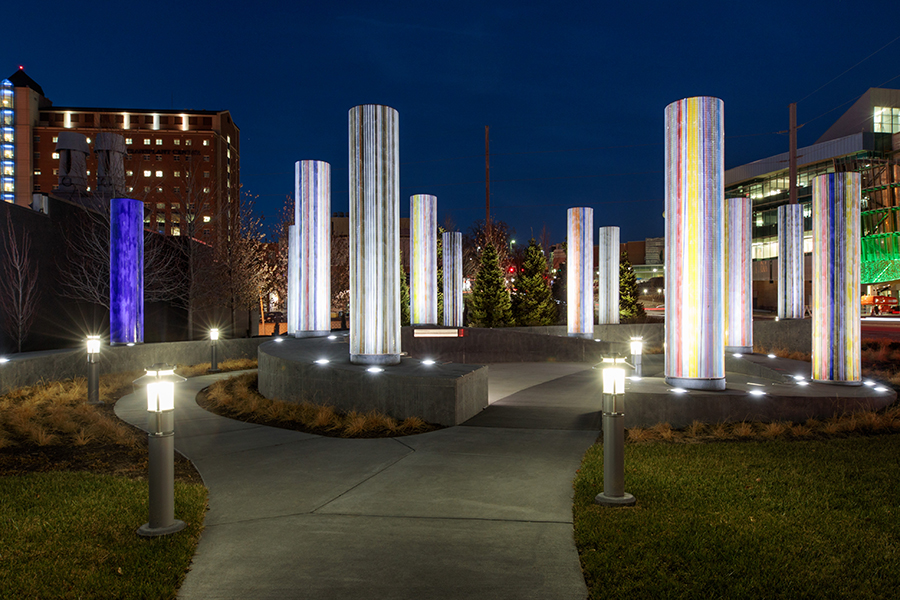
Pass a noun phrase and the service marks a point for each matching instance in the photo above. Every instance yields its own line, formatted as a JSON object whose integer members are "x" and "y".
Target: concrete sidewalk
{"x": 466, "y": 512}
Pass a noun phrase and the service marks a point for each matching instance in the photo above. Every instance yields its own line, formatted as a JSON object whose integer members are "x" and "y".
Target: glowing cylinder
{"x": 453, "y": 278}
{"x": 293, "y": 283}
{"x": 312, "y": 215}
{"x": 608, "y": 276}
{"x": 374, "y": 235}
{"x": 695, "y": 207}
{"x": 126, "y": 271}
{"x": 790, "y": 261}
{"x": 836, "y": 276}
{"x": 738, "y": 276}
{"x": 580, "y": 272}
{"x": 423, "y": 255}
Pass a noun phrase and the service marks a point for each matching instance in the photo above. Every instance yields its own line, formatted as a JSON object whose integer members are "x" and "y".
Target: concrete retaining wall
{"x": 32, "y": 367}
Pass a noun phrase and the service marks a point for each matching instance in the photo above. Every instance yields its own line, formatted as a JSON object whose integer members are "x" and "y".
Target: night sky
{"x": 574, "y": 93}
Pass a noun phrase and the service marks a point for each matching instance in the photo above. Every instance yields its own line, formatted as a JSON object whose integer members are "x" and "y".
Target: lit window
{"x": 177, "y": 173}
{"x": 206, "y": 142}
{"x": 55, "y": 139}
{"x": 187, "y": 142}
{"x": 55, "y": 155}
{"x": 176, "y": 231}
{"x": 56, "y": 171}
{"x": 146, "y": 189}
{"x": 128, "y": 141}
{"x": 87, "y": 172}
{"x": 159, "y": 142}
{"x": 206, "y": 219}
{"x": 229, "y": 139}
{"x": 206, "y": 190}
{"x": 37, "y": 172}
{"x": 161, "y": 205}
{"x": 159, "y": 174}
{"x": 130, "y": 188}
{"x": 148, "y": 173}
{"x": 174, "y": 206}
{"x": 88, "y": 188}
{"x": 177, "y": 142}
{"x": 146, "y": 141}
{"x": 129, "y": 173}
{"x": 159, "y": 189}
{"x": 88, "y": 140}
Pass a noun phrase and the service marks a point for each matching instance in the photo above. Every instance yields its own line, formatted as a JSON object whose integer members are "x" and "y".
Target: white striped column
{"x": 790, "y": 261}
{"x": 608, "y": 276}
{"x": 835, "y": 279}
{"x": 695, "y": 215}
{"x": 312, "y": 215}
{"x": 580, "y": 272}
{"x": 293, "y": 283}
{"x": 738, "y": 276}
{"x": 423, "y": 255}
{"x": 453, "y": 279}
{"x": 374, "y": 235}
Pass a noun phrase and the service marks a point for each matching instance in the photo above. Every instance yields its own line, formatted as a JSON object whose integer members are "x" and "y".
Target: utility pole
{"x": 487, "y": 181}
{"x": 793, "y": 155}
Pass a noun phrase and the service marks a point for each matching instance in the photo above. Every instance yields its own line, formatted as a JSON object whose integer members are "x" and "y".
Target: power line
{"x": 850, "y": 69}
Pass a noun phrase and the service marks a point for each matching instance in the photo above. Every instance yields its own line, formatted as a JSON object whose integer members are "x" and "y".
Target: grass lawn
{"x": 745, "y": 519}
{"x": 72, "y": 535}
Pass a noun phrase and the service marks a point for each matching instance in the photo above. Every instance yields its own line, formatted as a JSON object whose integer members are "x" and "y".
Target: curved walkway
{"x": 483, "y": 510}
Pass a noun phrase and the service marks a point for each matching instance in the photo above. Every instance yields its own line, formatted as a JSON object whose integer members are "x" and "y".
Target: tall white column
{"x": 695, "y": 207}
{"x": 836, "y": 272}
{"x": 580, "y": 272}
{"x": 790, "y": 261}
{"x": 453, "y": 279}
{"x": 293, "y": 283}
{"x": 374, "y": 235}
{"x": 738, "y": 276}
{"x": 312, "y": 215}
{"x": 608, "y": 276}
{"x": 423, "y": 259}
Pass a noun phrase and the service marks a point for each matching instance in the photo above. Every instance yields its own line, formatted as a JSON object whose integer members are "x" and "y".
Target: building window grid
{"x": 886, "y": 119}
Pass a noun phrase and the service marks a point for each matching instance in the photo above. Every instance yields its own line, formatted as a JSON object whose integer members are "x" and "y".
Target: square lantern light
{"x": 214, "y": 334}
{"x": 93, "y": 344}
{"x": 637, "y": 345}
{"x": 160, "y": 381}
{"x": 613, "y": 376}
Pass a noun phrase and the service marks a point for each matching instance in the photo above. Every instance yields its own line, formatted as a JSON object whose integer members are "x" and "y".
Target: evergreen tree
{"x": 560, "y": 293}
{"x": 490, "y": 300}
{"x": 532, "y": 300}
{"x": 404, "y": 295}
{"x": 629, "y": 307}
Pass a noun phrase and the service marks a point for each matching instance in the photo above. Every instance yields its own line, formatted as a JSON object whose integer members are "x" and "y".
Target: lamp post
{"x": 93, "y": 382}
{"x": 160, "y": 381}
{"x": 614, "y": 493}
{"x": 213, "y": 345}
{"x": 637, "y": 350}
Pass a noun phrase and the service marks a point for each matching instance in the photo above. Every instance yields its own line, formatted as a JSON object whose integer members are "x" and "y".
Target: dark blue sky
{"x": 574, "y": 93}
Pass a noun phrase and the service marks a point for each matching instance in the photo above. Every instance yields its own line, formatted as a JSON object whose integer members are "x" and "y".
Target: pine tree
{"x": 629, "y": 307}
{"x": 532, "y": 300}
{"x": 490, "y": 300}
{"x": 404, "y": 295}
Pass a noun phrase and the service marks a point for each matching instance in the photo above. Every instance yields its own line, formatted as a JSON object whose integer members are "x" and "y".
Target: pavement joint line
{"x": 255, "y": 448}
{"x": 402, "y": 443}
{"x": 359, "y": 483}
{"x": 395, "y": 517}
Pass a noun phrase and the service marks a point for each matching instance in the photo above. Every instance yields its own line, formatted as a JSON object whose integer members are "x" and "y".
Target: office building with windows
{"x": 183, "y": 164}
{"x": 865, "y": 139}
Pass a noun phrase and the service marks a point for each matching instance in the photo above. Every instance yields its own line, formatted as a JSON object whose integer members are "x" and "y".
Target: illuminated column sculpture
{"x": 738, "y": 276}
{"x": 312, "y": 215}
{"x": 790, "y": 261}
{"x": 580, "y": 272}
{"x": 293, "y": 282}
{"x": 695, "y": 289}
{"x": 836, "y": 276}
{"x": 608, "y": 276}
{"x": 374, "y": 235}
{"x": 423, "y": 259}
{"x": 453, "y": 279}
{"x": 126, "y": 271}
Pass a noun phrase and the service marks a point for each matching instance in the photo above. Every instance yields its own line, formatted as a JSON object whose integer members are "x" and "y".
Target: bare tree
{"x": 19, "y": 292}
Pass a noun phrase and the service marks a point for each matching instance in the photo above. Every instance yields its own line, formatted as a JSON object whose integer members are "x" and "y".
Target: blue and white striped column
{"x": 293, "y": 283}
{"x": 312, "y": 216}
{"x": 374, "y": 235}
{"x": 790, "y": 261}
{"x": 608, "y": 276}
{"x": 453, "y": 278}
{"x": 423, "y": 259}
{"x": 580, "y": 272}
{"x": 738, "y": 276}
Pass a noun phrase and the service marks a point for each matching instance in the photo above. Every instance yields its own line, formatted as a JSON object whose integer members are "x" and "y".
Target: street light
{"x": 93, "y": 349}
{"x": 213, "y": 344}
{"x": 614, "y": 493}
{"x": 160, "y": 381}
{"x": 637, "y": 349}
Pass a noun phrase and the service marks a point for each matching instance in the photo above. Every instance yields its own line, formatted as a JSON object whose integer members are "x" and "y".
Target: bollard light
{"x": 614, "y": 493}
{"x": 637, "y": 351}
{"x": 160, "y": 381}
{"x": 213, "y": 347}
{"x": 93, "y": 349}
